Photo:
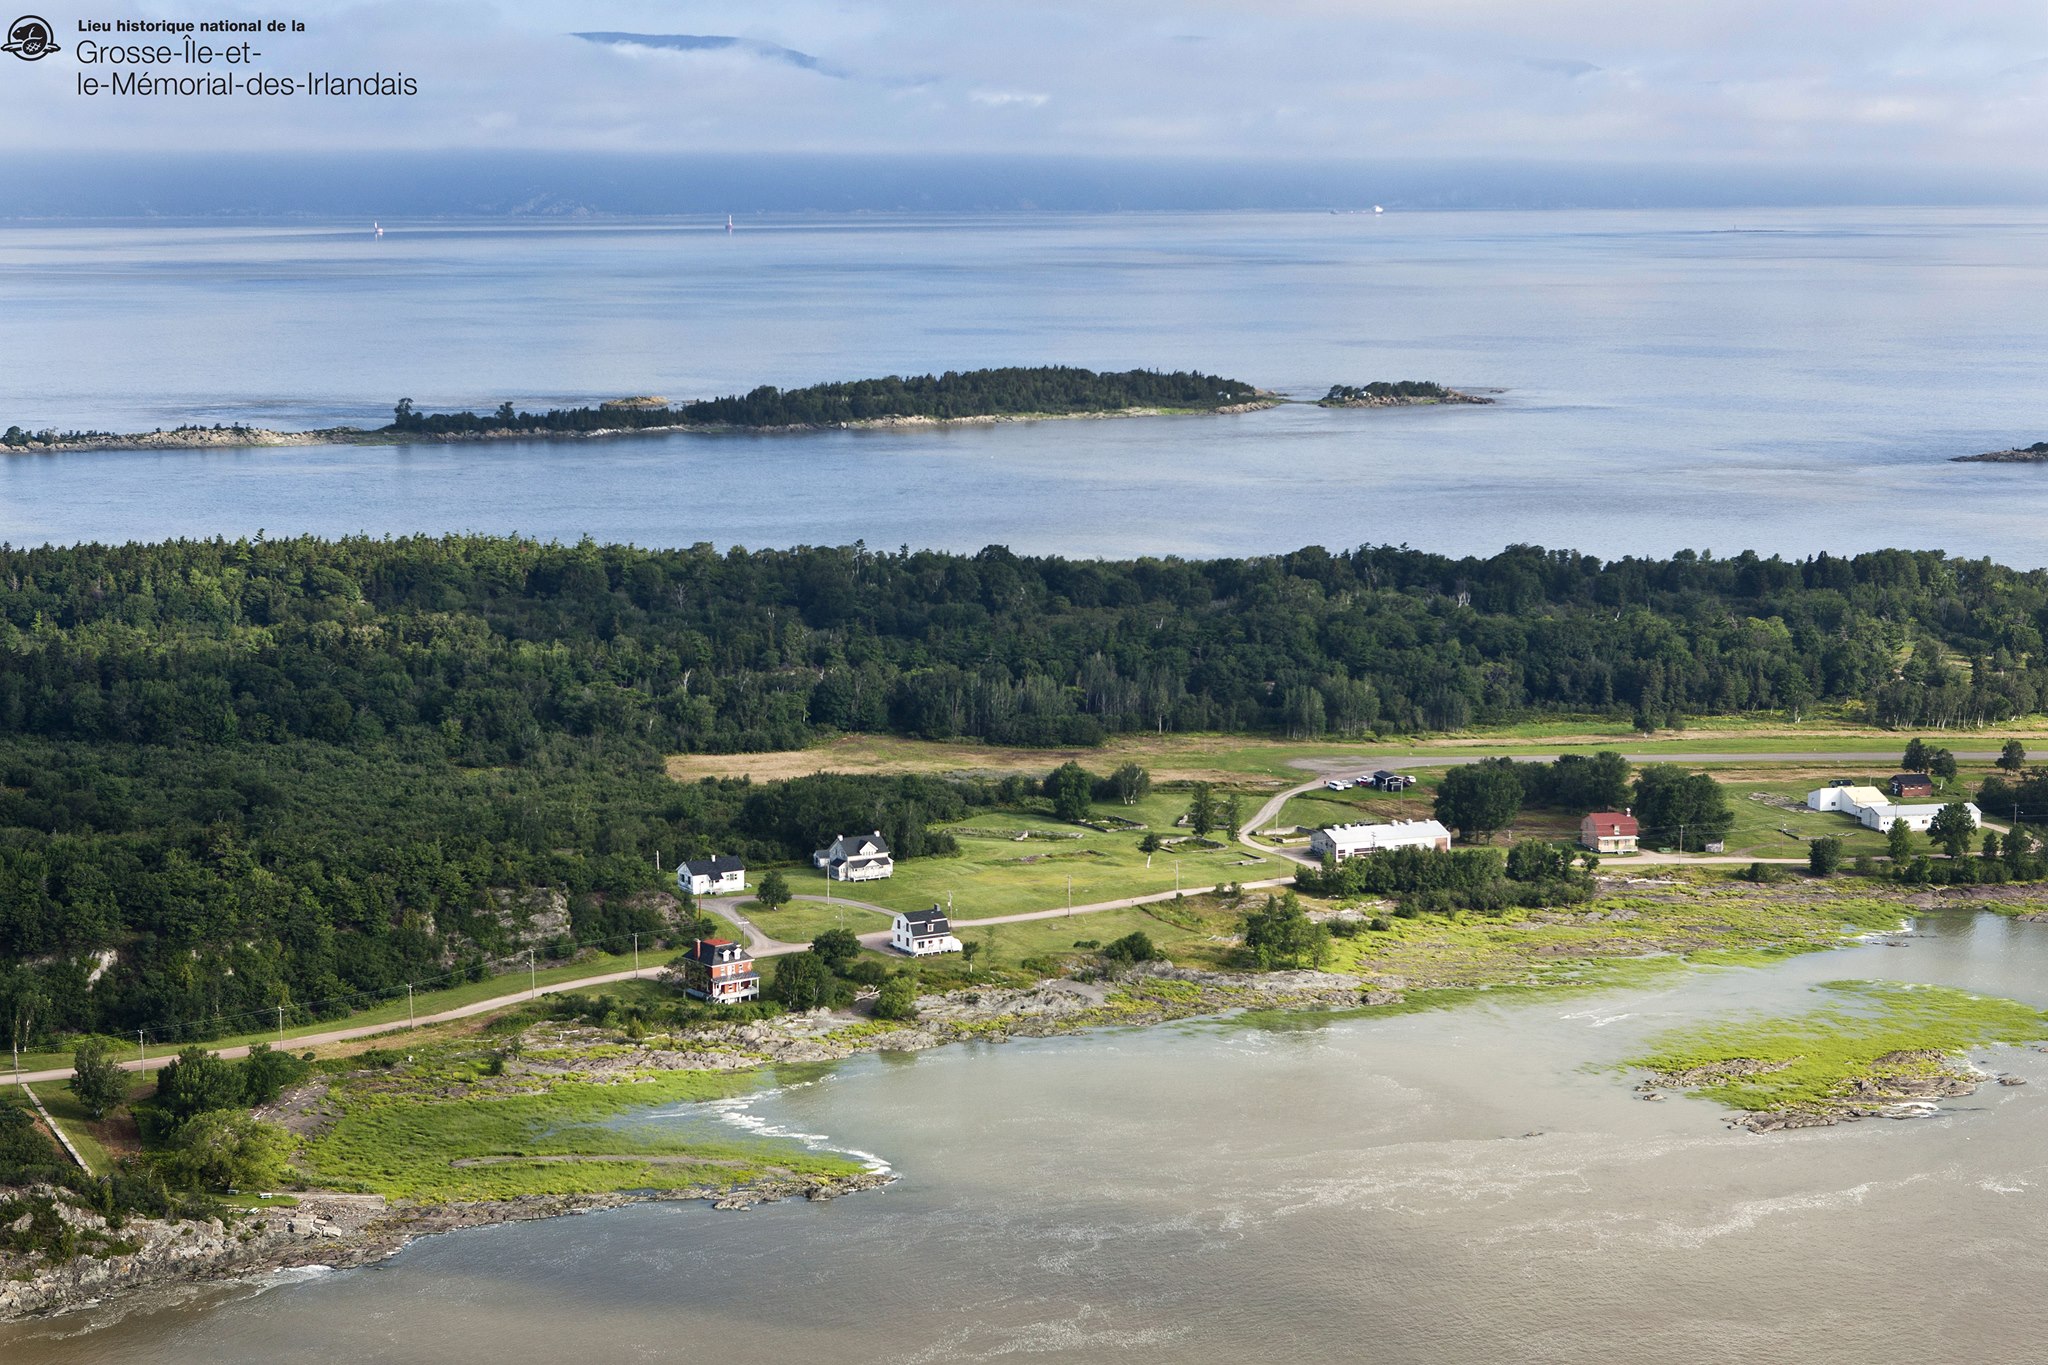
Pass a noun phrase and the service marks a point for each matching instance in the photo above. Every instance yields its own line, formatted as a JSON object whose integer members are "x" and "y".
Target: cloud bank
{"x": 1880, "y": 85}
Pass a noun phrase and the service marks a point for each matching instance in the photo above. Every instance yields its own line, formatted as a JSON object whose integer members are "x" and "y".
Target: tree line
{"x": 482, "y": 647}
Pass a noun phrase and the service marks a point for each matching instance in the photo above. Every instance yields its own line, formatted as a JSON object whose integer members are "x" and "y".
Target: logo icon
{"x": 29, "y": 38}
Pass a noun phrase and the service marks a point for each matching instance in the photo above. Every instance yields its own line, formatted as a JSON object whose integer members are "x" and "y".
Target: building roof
{"x": 1865, "y": 796}
{"x": 1612, "y": 823}
{"x": 926, "y": 923}
{"x": 1390, "y": 834}
{"x": 1912, "y": 780}
{"x": 715, "y": 950}
{"x": 716, "y": 865}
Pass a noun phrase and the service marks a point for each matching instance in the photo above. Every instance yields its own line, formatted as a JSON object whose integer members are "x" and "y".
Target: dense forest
{"x": 242, "y": 774}
{"x": 973, "y": 393}
{"x": 483, "y": 648}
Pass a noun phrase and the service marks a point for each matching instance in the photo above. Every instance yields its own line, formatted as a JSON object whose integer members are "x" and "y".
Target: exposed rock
{"x": 331, "y": 1230}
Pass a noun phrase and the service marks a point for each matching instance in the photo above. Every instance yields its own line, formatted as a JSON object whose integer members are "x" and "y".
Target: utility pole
{"x": 1070, "y": 895}
{"x": 141, "y": 1057}
{"x": 636, "y": 951}
{"x": 280, "y": 1025}
{"x": 408, "y": 1006}
{"x": 532, "y": 979}
{"x": 1176, "y": 876}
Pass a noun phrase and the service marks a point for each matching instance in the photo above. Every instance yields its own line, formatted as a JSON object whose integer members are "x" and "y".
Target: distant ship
{"x": 1377, "y": 209}
{"x": 728, "y": 225}
{"x": 377, "y": 228}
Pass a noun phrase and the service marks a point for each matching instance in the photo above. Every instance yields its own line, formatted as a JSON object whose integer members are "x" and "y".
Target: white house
{"x": 1872, "y": 809}
{"x": 715, "y": 876}
{"x": 856, "y": 858}
{"x": 1353, "y": 841}
{"x": 920, "y": 933}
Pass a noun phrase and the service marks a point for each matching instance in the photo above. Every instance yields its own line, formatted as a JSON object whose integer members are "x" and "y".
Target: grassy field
{"x": 1199, "y": 931}
{"x": 1696, "y": 918}
{"x": 1316, "y": 809}
{"x": 1766, "y": 827}
{"x": 1869, "y": 1031}
{"x": 802, "y": 921}
{"x": 401, "y": 1134}
{"x": 1227, "y": 758}
{"x": 1003, "y": 875}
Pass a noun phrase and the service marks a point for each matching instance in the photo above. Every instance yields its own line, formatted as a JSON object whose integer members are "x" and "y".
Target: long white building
{"x": 1354, "y": 841}
{"x": 1872, "y": 809}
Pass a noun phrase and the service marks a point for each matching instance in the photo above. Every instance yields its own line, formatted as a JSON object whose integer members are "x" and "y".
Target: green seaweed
{"x": 1868, "y": 1032}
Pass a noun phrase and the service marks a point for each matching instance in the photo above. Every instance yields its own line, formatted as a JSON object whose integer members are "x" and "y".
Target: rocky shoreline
{"x": 1448, "y": 396}
{"x": 2037, "y": 453}
{"x": 336, "y": 1231}
{"x": 347, "y": 1230}
{"x": 1903, "y": 1085}
{"x": 251, "y": 438}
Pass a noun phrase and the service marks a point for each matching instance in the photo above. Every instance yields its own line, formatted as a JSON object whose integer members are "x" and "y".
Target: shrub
{"x": 802, "y": 981}
{"x": 838, "y": 947}
{"x": 1132, "y": 947}
{"x": 196, "y": 1082}
{"x": 1824, "y": 856}
{"x": 265, "y": 1074}
{"x": 898, "y": 1000}
{"x": 222, "y": 1150}
{"x": 96, "y": 1078}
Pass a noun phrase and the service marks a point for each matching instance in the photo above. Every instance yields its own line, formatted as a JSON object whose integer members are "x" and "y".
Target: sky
{"x": 1875, "y": 88}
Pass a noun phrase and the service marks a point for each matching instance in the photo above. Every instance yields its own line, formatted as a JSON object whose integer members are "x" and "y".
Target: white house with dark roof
{"x": 856, "y": 858}
{"x": 720, "y": 875}
{"x": 920, "y": 933}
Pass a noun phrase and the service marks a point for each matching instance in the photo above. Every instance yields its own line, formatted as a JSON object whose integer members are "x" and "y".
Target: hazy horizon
{"x": 568, "y": 185}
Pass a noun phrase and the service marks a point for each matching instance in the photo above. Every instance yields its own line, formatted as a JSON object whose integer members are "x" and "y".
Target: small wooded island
{"x": 2037, "y": 453}
{"x": 1400, "y": 393}
{"x": 993, "y": 395}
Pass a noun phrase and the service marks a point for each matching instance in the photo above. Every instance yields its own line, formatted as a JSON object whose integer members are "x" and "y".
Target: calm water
{"x": 1778, "y": 380}
{"x": 1469, "y": 1186}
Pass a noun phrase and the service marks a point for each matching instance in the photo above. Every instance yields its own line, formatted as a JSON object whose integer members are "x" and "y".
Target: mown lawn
{"x": 996, "y": 873}
{"x": 802, "y": 921}
{"x": 1199, "y": 931}
{"x": 1765, "y": 829}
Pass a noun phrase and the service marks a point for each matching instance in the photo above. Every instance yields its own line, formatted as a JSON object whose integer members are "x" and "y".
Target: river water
{"x": 1787, "y": 381}
{"x": 1472, "y": 1185}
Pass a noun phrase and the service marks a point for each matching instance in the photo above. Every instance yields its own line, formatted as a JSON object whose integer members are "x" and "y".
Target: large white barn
{"x": 1872, "y": 809}
{"x": 1354, "y": 841}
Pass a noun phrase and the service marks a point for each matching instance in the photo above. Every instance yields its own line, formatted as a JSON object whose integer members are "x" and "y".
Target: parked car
{"x": 1338, "y": 784}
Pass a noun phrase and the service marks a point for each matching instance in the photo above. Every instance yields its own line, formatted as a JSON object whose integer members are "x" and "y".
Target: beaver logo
{"x": 29, "y": 38}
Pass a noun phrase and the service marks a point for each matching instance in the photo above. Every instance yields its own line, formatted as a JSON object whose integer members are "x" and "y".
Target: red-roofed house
{"x": 1607, "y": 831}
{"x": 720, "y": 971}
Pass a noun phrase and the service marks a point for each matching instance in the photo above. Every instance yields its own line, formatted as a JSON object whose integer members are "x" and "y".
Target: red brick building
{"x": 720, "y": 971}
